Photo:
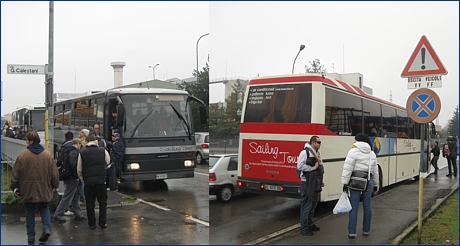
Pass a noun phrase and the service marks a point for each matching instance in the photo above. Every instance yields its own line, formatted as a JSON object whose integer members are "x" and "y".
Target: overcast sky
{"x": 88, "y": 36}
{"x": 375, "y": 39}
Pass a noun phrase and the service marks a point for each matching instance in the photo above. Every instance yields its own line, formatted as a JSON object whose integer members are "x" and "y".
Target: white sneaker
{"x": 68, "y": 213}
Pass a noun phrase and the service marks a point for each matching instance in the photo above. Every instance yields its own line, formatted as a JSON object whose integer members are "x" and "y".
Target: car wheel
{"x": 225, "y": 194}
{"x": 199, "y": 158}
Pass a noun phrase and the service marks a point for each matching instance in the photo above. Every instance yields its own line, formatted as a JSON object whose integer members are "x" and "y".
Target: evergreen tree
{"x": 452, "y": 128}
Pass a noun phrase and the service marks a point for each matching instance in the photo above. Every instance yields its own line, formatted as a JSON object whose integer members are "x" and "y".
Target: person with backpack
{"x": 451, "y": 155}
{"x": 68, "y": 136}
{"x": 310, "y": 165}
{"x": 70, "y": 177}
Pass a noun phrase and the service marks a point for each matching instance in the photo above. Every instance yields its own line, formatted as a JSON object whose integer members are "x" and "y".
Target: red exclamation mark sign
{"x": 423, "y": 58}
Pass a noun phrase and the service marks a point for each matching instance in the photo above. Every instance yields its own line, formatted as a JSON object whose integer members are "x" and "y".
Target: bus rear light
{"x": 262, "y": 186}
{"x": 204, "y": 146}
{"x": 134, "y": 166}
{"x": 188, "y": 163}
{"x": 212, "y": 177}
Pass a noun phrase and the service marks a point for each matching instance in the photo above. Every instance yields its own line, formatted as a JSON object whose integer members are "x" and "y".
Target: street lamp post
{"x": 154, "y": 70}
{"x": 197, "y": 55}
{"x": 301, "y": 48}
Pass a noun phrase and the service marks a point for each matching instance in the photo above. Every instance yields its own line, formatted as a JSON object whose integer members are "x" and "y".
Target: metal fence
{"x": 227, "y": 145}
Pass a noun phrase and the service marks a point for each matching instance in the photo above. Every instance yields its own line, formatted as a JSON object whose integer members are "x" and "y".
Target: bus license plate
{"x": 273, "y": 187}
{"x": 162, "y": 176}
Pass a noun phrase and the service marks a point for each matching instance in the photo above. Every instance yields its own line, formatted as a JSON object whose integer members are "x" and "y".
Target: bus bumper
{"x": 145, "y": 176}
{"x": 267, "y": 187}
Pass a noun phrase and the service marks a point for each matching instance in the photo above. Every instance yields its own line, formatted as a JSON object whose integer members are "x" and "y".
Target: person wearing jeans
{"x": 355, "y": 197}
{"x": 360, "y": 158}
{"x": 34, "y": 180}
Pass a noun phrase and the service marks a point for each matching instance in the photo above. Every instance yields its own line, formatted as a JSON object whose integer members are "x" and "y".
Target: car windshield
{"x": 213, "y": 160}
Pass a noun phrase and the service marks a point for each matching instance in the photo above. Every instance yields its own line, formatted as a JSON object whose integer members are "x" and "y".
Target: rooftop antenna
{"x": 343, "y": 57}
{"x": 333, "y": 68}
{"x": 391, "y": 96}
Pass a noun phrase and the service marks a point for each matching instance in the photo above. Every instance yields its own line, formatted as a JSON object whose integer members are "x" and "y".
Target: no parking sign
{"x": 423, "y": 105}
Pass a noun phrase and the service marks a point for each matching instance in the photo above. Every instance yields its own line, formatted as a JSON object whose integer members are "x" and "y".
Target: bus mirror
{"x": 203, "y": 115}
{"x": 120, "y": 114}
{"x": 26, "y": 120}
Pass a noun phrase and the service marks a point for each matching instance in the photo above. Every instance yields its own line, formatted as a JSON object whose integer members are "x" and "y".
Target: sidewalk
{"x": 394, "y": 215}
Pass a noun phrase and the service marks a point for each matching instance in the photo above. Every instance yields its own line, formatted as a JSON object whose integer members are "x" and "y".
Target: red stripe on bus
{"x": 282, "y": 80}
{"x": 285, "y": 128}
{"x": 347, "y": 86}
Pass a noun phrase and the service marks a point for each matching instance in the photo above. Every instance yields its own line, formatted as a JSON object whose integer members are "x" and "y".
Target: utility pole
{"x": 49, "y": 68}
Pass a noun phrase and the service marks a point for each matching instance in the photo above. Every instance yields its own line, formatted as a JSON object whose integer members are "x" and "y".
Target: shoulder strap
{"x": 370, "y": 164}
{"x": 308, "y": 151}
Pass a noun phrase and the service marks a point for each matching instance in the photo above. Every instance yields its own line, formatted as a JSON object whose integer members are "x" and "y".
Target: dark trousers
{"x": 452, "y": 162}
{"x": 93, "y": 192}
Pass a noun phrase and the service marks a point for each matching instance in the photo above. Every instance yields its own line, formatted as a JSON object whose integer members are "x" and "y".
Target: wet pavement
{"x": 128, "y": 223}
{"x": 394, "y": 215}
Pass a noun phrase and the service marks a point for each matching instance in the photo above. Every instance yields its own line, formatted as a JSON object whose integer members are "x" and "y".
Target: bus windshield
{"x": 37, "y": 120}
{"x": 149, "y": 115}
{"x": 281, "y": 103}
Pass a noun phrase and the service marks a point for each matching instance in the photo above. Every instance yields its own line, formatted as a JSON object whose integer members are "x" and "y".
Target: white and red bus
{"x": 281, "y": 113}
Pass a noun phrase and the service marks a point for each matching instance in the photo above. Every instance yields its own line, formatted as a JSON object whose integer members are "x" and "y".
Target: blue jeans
{"x": 353, "y": 216}
{"x": 435, "y": 163}
{"x": 30, "y": 208}
{"x": 307, "y": 207}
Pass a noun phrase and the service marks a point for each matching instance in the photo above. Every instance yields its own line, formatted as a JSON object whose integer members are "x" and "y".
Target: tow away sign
{"x": 433, "y": 81}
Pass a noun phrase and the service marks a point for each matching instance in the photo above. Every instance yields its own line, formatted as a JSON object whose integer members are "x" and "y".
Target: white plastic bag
{"x": 343, "y": 205}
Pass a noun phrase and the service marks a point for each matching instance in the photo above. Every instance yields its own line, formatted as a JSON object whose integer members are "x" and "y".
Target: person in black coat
{"x": 434, "y": 160}
{"x": 452, "y": 158}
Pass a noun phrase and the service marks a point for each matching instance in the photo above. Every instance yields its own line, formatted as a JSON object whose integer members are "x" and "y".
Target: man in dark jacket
{"x": 311, "y": 183}
{"x": 91, "y": 169}
{"x": 116, "y": 158}
{"x": 34, "y": 179}
{"x": 71, "y": 194}
{"x": 435, "y": 159}
{"x": 452, "y": 158}
{"x": 64, "y": 148}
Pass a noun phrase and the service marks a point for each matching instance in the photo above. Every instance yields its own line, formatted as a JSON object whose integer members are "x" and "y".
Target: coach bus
{"x": 30, "y": 117}
{"x": 281, "y": 113}
{"x": 150, "y": 153}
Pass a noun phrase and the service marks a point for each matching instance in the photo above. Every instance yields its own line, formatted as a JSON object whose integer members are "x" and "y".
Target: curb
{"x": 414, "y": 225}
{"x": 121, "y": 204}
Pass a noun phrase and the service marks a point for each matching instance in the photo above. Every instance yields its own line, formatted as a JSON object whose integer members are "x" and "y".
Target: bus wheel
{"x": 225, "y": 194}
{"x": 199, "y": 158}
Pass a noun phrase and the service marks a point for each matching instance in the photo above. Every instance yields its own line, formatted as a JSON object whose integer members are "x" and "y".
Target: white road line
{"x": 154, "y": 205}
{"x": 205, "y": 174}
{"x": 274, "y": 234}
{"x": 205, "y": 223}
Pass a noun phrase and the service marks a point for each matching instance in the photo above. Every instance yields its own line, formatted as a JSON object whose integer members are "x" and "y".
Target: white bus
{"x": 281, "y": 113}
{"x": 157, "y": 146}
{"x": 30, "y": 117}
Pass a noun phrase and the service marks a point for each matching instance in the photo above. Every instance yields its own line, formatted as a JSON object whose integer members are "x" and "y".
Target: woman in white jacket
{"x": 358, "y": 159}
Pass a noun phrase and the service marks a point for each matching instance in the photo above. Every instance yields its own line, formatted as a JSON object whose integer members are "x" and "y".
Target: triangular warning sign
{"x": 423, "y": 61}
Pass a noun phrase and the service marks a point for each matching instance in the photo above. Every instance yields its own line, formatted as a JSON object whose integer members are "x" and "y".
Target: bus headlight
{"x": 134, "y": 166}
{"x": 188, "y": 163}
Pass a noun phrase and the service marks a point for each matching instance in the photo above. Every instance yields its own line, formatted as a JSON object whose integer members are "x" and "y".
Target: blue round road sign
{"x": 423, "y": 105}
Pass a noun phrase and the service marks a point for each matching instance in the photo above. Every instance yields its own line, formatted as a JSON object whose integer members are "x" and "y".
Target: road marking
{"x": 198, "y": 220}
{"x": 274, "y": 234}
{"x": 205, "y": 174}
{"x": 154, "y": 205}
{"x": 205, "y": 223}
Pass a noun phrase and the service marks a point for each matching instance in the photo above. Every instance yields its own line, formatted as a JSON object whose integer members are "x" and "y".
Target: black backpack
{"x": 64, "y": 170}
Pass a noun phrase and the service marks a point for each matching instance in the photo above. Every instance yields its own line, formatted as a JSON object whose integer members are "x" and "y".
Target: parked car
{"x": 223, "y": 175}
{"x": 202, "y": 146}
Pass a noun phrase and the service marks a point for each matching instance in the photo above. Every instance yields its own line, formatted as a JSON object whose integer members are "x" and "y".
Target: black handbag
{"x": 359, "y": 180}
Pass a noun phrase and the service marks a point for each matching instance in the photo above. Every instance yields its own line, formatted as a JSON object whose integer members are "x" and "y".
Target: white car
{"x": 223, "y": 175}
{"x": 202, "y": 146}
